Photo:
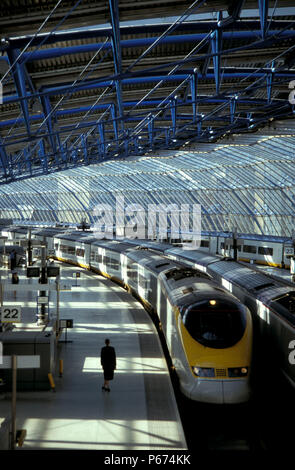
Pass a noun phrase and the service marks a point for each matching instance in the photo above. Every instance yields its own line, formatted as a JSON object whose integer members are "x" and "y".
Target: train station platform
{"x": 139, "y": 413}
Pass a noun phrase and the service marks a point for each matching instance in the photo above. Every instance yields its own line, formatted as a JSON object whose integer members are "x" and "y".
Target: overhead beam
{"x": 117, "y": 53}
{"x": 18, "y": 74}
{"x": 149, "y": 78}
{"x": 102, "y": 146}
{"x": 194, "y": 93}
{"x": 216, "y": 43}
{"x": 259, "y": 103}
{"x": 263, "y": 12}
{"x": 19, "y": 42}
{"x": 55, "y": 52}
{"x": 4, "y": 159}
{"x": 45, "y": 100}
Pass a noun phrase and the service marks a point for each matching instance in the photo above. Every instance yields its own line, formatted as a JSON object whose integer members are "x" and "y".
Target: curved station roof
{"x": 171, "y": 102}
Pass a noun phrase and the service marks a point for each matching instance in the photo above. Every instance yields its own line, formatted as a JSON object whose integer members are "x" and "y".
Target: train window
{"x": 287, "y": 301}
{"x": 71, "y": 250}
{"x": 249, "y": 249}
{"x": 238, "y": 247}
{"x": 80, "y": 252}
{"x": 217, "y": 325}
{"x": 132, "y": 273}
{"x": 265, "y": 250}
{"x": 205, "y": 243}
{"x": 142, "y": 281}
{"x": 111, "y": 263}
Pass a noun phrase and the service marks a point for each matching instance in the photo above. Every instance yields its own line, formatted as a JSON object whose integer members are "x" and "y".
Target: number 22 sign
{"x": 10, "y": 314}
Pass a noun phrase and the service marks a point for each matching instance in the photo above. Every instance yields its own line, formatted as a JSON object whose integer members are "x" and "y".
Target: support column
{"x": 102, "y": 148}
{"x": 4, "y": 159}
{"x": 194, "y": 93}
{"x": 216, "y": 42}
{"x": 173, "y": 106}
{"x": 263, "y": 11}
{"x": 151, "y": 131}
{"x": 48, "y": 119}
{"x": 117, "y": 54}
{"x": 20, "y": 84}
{"x": 42, "y": 320}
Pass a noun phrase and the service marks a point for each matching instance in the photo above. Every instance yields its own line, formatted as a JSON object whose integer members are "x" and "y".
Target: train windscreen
{"x": 215, "y": 323}
{"x": 287, "y": 301}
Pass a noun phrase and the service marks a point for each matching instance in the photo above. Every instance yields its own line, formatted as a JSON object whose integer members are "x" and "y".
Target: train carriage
{"x": 74, "y": 248}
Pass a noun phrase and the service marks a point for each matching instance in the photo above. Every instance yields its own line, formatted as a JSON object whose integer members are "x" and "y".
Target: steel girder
{"x": 172, "y": 108}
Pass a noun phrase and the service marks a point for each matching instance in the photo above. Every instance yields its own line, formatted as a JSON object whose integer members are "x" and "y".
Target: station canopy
{"x": 160, "y": 102}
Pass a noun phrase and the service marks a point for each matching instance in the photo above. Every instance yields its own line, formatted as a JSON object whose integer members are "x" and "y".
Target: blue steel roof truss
{"x": 142, "y": 106}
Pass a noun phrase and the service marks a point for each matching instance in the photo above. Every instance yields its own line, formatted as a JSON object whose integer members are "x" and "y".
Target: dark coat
{"x": 15, "y": 280}
{"x": 108, "y": 357}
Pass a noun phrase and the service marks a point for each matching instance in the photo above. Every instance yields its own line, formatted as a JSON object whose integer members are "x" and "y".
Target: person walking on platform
{"x": 15, "y": 280}
{"x": 108, "y": 362}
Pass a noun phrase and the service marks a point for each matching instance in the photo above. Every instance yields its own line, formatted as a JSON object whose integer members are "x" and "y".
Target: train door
{"x": 124, "y": 268}
{"x": 142, "y": 282}
{"x": 153, "y": 289}
{"x": 213, "y": 244}
{"x": 169, "y": 330}
{"x": 161, "y": 304}
{"x": 288, "y": 254}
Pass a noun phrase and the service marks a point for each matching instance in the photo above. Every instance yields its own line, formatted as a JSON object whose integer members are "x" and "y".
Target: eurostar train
{"x": 252, "y": 248}
{"x": 270, "y": 300}
{"x": 208, "y": 332}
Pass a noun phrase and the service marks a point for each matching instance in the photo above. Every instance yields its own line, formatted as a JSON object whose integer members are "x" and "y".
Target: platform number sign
{"x": 10, "y": 314}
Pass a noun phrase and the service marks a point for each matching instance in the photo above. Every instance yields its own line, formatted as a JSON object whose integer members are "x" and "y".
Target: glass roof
{"x": 250, "y": 187}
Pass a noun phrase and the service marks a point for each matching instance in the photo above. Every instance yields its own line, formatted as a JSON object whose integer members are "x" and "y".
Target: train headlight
{"x": 238, "y": 371}
{"x": 203, "y": 371}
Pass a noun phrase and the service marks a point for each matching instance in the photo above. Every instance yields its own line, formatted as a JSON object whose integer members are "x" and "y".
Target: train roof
{"x": 153, "y": 261}
{"x": 195, "y": 289}
{"x": 249, "y": 236}
{"x": 193, "y": 255}
{"x": 154, "y": 245}
{"x": 14, "y": 229}
{"x": 8, "y": 248}
{"x": 113, "y": 245}
{"x": 76, "y": 236}
{"x": 47, "y": 232}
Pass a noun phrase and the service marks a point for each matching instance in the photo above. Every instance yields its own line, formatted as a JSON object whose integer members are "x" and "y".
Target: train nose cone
{"x": 207, "y": 391}
{"x": 220, "y": 391}
{"x": 236, "y": 391}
